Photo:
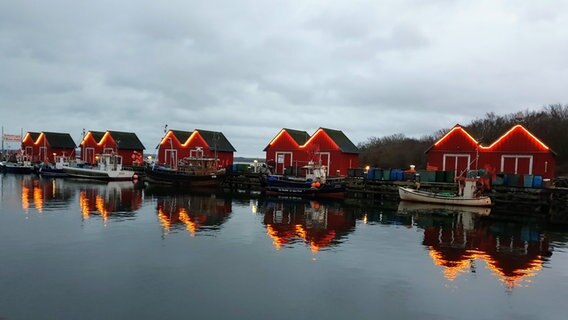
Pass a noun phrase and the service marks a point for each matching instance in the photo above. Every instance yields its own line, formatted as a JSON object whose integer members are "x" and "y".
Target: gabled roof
{"x": 182, "y": 136}
{"x": 522, "y": 130}
{"x": 344, "y": 144}
{"x": 216, "y": 140}
{"x": 126, "y": 140}
{"x": 300, "y": 137}
{"x": 34, "y": 135}
{"x": 60, "y": 140}
{"x": 97, "y": 135}
{"x": 450, "y": 132}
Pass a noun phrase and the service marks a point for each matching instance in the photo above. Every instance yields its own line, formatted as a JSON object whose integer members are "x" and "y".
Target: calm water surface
{"x": 83, "y": 250}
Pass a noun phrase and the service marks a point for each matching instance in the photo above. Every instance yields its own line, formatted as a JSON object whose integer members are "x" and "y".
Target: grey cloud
{"x": 370, "y": 68}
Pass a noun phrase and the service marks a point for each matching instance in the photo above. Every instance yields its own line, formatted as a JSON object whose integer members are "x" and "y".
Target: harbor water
{"x": 73, "y": 249}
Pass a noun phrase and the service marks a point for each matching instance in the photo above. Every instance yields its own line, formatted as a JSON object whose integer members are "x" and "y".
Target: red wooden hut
{"x": 333, "y": 149}
{"x": 285, "y": 150}
{"x": 456, "y": 151}
{"x": 518, "y": 151}
{"x": 125, "y": 144}
{"x": 293, "y": 148}
{"x": 44, "y": 146}
{"x": 178, "y": 144}
{"x": 515, "y": 152}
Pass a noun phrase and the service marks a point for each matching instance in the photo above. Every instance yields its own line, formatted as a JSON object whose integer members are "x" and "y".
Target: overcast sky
{"x": 250, "y": 68}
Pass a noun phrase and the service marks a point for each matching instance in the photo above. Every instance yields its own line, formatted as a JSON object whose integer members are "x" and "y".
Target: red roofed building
{"x": 178, "y": 144}
{"x": 125, "y": 144}
{"x": 44, "y": 146}
{"x": 293, "y": 148}
{"x": 285, "y": 150}
{"x": 516, "y": 152}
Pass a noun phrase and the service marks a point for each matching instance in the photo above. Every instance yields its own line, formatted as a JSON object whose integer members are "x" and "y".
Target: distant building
{"x": 44, "y": 146}
{"x": 178, "y": 144}
{"x": 293, "y": 149}
{"x": 125, "y": 144}
{"x": 516, "y": 152}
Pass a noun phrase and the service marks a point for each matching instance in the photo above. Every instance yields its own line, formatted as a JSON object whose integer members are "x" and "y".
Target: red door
{"x": 458, "y": 163}
{"x": 517, "y": 164}
{"x": 283, "y": 160}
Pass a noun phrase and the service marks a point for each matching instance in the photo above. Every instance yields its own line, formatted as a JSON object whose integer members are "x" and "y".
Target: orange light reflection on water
{"x": 453, "y": 268}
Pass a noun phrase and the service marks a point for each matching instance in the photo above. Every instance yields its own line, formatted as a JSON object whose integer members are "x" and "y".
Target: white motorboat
{"x": 108, "y": 167}
{"x": 468, "y": 195}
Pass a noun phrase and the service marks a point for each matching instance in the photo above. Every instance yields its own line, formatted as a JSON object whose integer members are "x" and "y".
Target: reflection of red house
{"x": 510, "y": 258}
{"x": 109, "y": 199}
{"x": 317, "y": 225}
{"x": 177, "y": 145}
{"x": 517, "y": 152}
{"x": 44, "y": 146}
{"x": 194, "y": 212}
{"x": 293, "y": 148}
{"x": 125, "y": 144}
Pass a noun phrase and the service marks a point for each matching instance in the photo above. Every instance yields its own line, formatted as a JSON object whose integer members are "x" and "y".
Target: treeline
{"x": 550, "y": 125}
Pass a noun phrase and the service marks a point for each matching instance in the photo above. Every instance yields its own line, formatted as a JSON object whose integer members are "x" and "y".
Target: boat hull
{"x": 408, "y": 194}
{"x": 15, "y": 168}
{"x": 87, "y": 173}
{"x": 422, "y": 207}
{"x": 174, "y": 178}
{"x": 272, "y": 186}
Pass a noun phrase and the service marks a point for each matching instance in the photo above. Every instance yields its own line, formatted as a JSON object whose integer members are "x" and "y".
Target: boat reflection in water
{"x": 319, "y": 225}
{"x": 194, "y": 213}
{"x": 458, "y": 242}
{"x": 45, "y": 194}
{"x": 117, "y": 200}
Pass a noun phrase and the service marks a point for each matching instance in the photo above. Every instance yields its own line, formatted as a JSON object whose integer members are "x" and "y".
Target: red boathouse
{"x": 125, "y": 144}
{"x": 516, "y": 152}
{"x": 45, "y": 146}
{"x": 198, "y": 143}
{"x": 293, "y": 148}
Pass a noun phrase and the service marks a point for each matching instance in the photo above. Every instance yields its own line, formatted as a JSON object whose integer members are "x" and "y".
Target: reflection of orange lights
{"x": 519, "y": 276}
{"x": 453, "y": 268}
{"x": 191, "y": 226}
{"x": 100, "y": 205}
{"x": 301, "y": 231}
{"x": 84, "y": 205}
{"x": 323, "y": 242}
{"x": 25, "y": 194}
{"x": 164, "y": 219}
{"x": 276, "y": 240}
{"x": 38, "y": 199}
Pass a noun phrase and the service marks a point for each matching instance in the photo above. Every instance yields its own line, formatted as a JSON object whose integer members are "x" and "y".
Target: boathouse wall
{"x": 515, "y": 152}
{"x": 284, "y": 150}
{"x": 44, "y": 146}
{"x": 293, "y": 148}
{"x": 177, "y": 145}
{"x": 125, "y": 144}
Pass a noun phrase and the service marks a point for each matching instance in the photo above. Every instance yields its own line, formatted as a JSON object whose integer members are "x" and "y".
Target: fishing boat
{"x": 469, "y": 194}
{"x": 316, "y": 183}
{"x": 54, "y": 169}
{"x": 19, "y": 164}
{"x": 108, "y": 167}
{"x": 189, "y": 172}
{"x": 411, "y": 207}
